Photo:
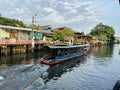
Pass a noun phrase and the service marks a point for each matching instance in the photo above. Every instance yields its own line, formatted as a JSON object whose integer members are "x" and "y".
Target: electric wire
{"x": 102, "y": 5}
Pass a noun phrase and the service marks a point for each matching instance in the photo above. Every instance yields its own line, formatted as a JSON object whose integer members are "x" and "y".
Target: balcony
{"x": 20, "y": 42}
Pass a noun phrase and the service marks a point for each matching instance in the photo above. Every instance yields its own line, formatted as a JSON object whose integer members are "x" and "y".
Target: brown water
{"x": 99, "y": 70}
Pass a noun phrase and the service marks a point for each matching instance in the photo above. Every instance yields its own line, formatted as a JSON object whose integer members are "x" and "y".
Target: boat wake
{"x": 21, "y": 77}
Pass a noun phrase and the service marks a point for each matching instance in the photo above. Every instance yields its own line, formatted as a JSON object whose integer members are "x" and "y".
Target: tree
{"x": 68, "y": 32}
{"x": 58, "y": 35}
{"x": 62, "y": 34}
{"x": 104, "y": 32}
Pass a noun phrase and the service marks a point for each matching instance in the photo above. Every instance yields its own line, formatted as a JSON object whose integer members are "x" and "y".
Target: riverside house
{"x": 11, "y": 38}
{"x": 16, "y": 35}
{"x": 80, "y": 38}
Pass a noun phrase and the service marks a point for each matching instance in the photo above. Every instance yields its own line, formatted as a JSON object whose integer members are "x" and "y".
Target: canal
{"x": 98, "y": 70}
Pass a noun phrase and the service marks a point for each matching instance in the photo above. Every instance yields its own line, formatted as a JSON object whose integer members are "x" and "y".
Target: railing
{"x": 20, "y": 42}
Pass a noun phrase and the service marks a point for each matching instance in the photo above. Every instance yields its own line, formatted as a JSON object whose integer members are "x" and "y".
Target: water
{"x": 99, "y": 70}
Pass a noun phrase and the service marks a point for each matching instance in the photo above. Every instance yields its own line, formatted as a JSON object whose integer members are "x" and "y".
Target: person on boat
{"x": 51, "y": 56}
{"x": 41, "y": 59}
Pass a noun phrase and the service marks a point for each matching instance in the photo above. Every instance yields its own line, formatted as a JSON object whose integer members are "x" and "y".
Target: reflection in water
{"x": 102, "y": 54}
{"x": 102, "y": 51}
{"x": 99, "y": 70}
{"x": 60, "y": 69}
{"x": 21, "y": 58}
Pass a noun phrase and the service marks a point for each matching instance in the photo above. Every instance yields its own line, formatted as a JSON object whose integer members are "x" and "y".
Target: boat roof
{"x": 71, "y": 46}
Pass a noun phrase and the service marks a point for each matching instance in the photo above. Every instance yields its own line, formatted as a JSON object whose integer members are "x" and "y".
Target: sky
{"x": 80, "y": 15}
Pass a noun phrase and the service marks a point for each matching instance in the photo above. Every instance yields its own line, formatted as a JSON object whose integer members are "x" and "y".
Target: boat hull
{"x": 57, "y": 61}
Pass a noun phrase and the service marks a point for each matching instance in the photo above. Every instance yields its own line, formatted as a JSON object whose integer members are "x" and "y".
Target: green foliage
{"x": 103, "y": 37}
{"x": 61, "y": 34}
{"x": 104, "y": 32}
{"x": 58, "y": 35}
{"x": 68, "y": 32}
{"x": 11, "y": 22}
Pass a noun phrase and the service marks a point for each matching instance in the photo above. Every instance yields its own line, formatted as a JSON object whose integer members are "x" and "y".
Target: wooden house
{"x": 17, "y": 35}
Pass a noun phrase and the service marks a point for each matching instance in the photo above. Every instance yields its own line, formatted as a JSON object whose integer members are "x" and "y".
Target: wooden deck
{"x": 20, "y": 42}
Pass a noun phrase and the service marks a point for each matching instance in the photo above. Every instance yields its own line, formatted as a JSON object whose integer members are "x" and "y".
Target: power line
{"x": 104, "y": 4}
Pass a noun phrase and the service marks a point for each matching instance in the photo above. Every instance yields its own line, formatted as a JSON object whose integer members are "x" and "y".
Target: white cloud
{"x": 57, "y": 11}
{"x": 48, "y": 9}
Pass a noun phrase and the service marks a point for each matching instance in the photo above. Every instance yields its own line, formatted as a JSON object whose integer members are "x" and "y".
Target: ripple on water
{"x": 97, "y": 71}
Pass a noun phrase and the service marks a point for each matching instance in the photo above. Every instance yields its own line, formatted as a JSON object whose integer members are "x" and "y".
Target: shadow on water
{"x": 58, "y": 70}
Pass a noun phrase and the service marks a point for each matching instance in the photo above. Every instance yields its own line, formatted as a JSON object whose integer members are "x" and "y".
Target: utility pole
{"x": 33, "y": 22}
{"x": 32, "y": 32}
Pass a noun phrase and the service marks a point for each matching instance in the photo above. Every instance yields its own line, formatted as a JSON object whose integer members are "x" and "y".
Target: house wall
{"x": 23, "y": 36}
{"x": 4, "y": 34}
{"x": 19, "y": 35}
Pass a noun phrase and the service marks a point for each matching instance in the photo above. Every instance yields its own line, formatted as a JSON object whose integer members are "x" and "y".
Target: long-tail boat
{"x": 60, "y": 54}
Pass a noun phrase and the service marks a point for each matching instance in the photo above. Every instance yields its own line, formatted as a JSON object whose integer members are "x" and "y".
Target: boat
{"x": 60, "y": 54}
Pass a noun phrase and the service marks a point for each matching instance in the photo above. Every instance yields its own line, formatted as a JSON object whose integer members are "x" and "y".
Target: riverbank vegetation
{"x": 103, "y": 32}
{"x": 62, "y": 36}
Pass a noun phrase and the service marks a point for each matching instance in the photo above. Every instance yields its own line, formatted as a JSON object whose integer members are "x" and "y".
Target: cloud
{"x": 56, "y": 11}
{"x": 48, "y": 9}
